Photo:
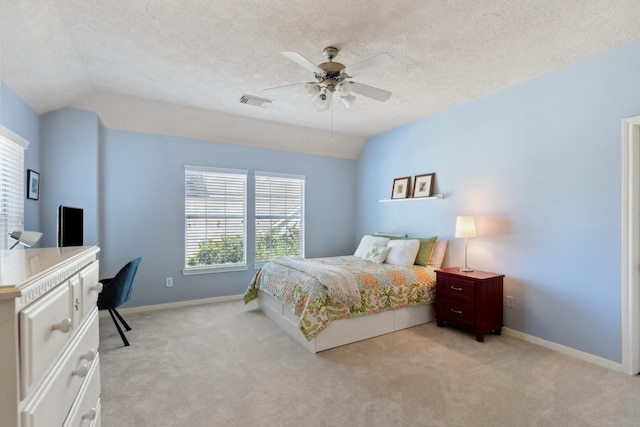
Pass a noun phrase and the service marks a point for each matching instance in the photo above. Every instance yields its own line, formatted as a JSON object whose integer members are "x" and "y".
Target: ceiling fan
{"x": 333, "y": 77}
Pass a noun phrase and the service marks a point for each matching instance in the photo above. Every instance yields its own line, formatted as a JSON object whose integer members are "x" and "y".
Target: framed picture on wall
{"x": 400, "y": 188}
{"x": 423, "y": 185}
{"x": 33, "y": 185}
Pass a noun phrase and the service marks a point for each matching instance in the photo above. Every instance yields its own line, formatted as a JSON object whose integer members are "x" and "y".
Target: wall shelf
{"x": 412, "y": 199}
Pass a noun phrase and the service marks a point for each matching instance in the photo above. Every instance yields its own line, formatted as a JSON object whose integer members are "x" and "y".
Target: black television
{"x": 70, "y": 226}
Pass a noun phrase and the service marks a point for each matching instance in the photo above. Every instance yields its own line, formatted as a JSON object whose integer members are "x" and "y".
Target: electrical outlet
{"x": 511, "y": 302}
{"x": 169, "y": 282}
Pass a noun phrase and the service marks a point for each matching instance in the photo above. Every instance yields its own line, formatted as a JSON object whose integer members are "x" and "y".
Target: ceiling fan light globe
{"x": 348, "y": 100}
{"x": 343, "y": 88}
{"x": 320, "y": 104}
{"x": 313, "y": 90}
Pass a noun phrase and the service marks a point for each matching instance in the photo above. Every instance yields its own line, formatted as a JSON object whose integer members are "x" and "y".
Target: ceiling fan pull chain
{"x": 331, "y": 121}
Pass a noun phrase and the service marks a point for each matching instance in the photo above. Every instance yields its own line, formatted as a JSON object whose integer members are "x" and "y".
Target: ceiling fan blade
{"x": 287, "y": 86}
{"x": 371, "y": 65}
{"x": 303, "y": 62}
{"x": 370, "y": 91}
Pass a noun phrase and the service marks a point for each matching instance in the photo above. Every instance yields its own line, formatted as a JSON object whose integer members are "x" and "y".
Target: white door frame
{"x": 630, "y": 304}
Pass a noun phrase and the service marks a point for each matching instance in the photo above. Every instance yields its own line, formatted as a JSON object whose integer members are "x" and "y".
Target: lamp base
{"x": 465, "y": 269}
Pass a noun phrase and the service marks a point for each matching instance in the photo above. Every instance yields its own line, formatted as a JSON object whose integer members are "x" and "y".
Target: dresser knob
{"x": 82, "y": 371}
{"x": 89, "y": 355}
{"x": 456, "y": 289}
{"x": 97, "y": 287}
{"x": 63, "y": 326}
{"x": 90, "y": 415}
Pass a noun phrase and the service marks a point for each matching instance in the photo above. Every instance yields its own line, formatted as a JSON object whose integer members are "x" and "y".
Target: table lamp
{"x": 465, "y": 227}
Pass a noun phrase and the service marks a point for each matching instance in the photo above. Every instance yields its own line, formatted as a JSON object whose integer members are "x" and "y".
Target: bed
{"x": 298, "y": 295}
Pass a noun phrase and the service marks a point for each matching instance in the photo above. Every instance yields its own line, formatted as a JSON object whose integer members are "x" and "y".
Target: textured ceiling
{"x": 205, "y": 54}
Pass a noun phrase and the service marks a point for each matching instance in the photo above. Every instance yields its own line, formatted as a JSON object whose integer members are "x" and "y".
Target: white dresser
{"x": 49, "y": 364}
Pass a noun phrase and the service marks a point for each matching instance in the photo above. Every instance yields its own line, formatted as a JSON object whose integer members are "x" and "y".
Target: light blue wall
{"x": 23, "y": 120}
{"x": 70, "y": 174}
{"x": 539, "y": 166}
{"x": 142, "y": 199}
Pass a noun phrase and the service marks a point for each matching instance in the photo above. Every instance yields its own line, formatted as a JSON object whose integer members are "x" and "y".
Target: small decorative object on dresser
{"x": 471, "y": 300}
{"x": 400, "y": 189}
{"x": 423, "y": 185}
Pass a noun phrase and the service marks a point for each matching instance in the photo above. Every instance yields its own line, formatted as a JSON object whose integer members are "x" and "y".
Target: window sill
{"x": 210, "y": 270}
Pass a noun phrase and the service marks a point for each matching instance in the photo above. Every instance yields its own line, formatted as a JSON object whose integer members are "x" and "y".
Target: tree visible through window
{"x": 215, "y": 217}
{"x": 279, "y": 215}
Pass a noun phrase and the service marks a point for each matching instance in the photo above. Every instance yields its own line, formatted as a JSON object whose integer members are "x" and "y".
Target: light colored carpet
{"x": 226, "y": 364}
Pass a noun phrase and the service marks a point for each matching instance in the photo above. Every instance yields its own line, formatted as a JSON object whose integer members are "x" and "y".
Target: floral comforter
{"x": 382, "y": 287}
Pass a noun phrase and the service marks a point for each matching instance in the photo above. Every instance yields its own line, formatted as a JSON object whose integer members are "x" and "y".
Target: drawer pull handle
{"x": 455, "y": 289}
{"x": 456, "y": 311}
{"x": 89, "y": 355}
{"x": 97, "y": 287}
{"x": 90, "y": 415}
{"x": 77, "y": 304}
{"x": 64, "y": 326}
{"x": 82, "y": 371}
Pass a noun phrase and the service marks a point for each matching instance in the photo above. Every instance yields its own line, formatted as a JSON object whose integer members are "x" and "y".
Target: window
{"x": 215, "y": 219}
{"x": 12, "y": 179}
{"x": 279, "y": 215}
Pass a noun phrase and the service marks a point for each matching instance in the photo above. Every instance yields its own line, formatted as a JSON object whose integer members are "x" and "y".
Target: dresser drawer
{"x": 458, "y": 312}
{"x": 459, "y": 289}
{"x": 97, "y": 421}
{"x": 51, "y": 403}
{"x": 90, "y": 288}
{"x": 45, "y": 329}
{"x": 85, "y": 409}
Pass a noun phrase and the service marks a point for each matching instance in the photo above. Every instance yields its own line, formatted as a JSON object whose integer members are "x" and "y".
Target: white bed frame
{"x": 345, "y": 331}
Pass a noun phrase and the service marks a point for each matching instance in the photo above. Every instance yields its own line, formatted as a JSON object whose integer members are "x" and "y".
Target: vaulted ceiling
{"x": 203, "y": 55}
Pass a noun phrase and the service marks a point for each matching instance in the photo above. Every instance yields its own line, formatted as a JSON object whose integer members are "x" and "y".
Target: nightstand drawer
{"x": 458, "y": 312}
{"x": 458, "y": 289}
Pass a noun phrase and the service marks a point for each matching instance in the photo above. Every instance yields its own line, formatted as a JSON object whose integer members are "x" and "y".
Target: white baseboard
{"x": 170, "y": 305}
{"x": 587, "y": 357}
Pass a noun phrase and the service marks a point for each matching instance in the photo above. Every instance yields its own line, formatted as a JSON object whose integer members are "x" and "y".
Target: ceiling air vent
{"x": 255, "y": 100}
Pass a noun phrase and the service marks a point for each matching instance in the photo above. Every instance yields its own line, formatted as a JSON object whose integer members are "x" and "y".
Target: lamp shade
{"x": 465, "y": 226}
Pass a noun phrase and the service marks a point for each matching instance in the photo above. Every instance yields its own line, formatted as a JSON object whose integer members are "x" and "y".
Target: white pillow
{"x": 377, "y": 254}
{"x": 403, "y": 252}
{"x": 368, "y": 242}
{"x": 437, "y": 256}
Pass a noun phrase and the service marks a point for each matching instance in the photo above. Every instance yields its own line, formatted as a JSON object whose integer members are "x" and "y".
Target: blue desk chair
{"x": 116, "y": 291}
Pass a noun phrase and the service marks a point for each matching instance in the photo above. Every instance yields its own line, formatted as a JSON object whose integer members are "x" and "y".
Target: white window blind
{"x": 279, "y": 216}
{"x": 11, "y": 190}
{"x": 215, "y": 217}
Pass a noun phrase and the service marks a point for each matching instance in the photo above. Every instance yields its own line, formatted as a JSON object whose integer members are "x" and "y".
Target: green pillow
{"x": 426, "y": 248}
{"x": 391, "y": 236}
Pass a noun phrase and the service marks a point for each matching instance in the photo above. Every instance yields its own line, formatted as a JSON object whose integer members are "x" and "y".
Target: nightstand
{"x": 470, "y": 300}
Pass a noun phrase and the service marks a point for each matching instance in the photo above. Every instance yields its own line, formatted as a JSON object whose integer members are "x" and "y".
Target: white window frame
{"x": 12, "y": 189}
{"x": 217, "y": 268}
{"x": 261, "y": 215}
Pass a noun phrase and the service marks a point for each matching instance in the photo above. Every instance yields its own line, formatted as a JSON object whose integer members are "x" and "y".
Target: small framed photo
{"x": 33, "y": 185}
{"x": 423, "y": 185}
{"x": 400, "y": 188}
